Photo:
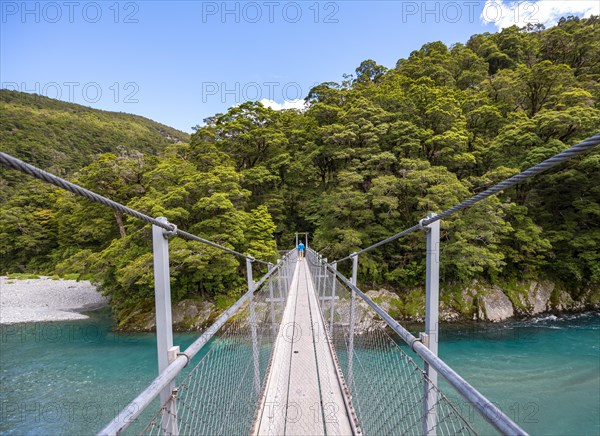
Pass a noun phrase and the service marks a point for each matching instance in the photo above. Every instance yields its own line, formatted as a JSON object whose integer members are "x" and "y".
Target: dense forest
{"x": 367, "y": 158}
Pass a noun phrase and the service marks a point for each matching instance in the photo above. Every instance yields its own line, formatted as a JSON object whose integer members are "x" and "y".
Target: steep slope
{"x": 63, "y": 137}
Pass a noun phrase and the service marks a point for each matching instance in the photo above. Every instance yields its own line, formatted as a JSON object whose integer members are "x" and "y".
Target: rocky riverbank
{"x": 46, "y": 299}
{"x": 478, "y": 302}
{"x": 484, "y": 302}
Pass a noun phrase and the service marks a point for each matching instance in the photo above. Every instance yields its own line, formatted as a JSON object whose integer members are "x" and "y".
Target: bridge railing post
{"x": 354, "y": 268}
{"x": 281, "y": 274}
{"x": 431, "y": 335}
{"x": 323, "y": 288}
{"x": 164, "y": 323}
{"x": 253, "y": 327}
{"x": 271, "y": 298}
{"x": 320, "y": 275}
{"x": 352, "y": 321}
{"x": 318, "y": 270}
{"x": 289, "y": 271}
{"x": 315, "y": 270}
{"x": 332, "y": 310}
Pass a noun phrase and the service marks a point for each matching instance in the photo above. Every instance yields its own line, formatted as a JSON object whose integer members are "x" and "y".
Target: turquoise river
{"x": 72, "y": 377}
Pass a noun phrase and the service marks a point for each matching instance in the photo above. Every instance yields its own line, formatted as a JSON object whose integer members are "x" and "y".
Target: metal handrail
{"x": 485, "y": 407}
{"x": 135, "y": 408}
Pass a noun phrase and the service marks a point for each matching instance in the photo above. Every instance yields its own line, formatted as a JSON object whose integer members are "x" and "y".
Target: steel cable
{"x": 19, "y": 165}
{"x": 559, "y": 158}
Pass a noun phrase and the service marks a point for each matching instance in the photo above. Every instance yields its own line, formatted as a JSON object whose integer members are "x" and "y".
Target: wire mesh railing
{"x": 390, "y": 391}
{"x": 220, "y": 393}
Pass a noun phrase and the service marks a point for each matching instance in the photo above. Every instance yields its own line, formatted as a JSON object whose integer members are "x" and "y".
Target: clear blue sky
{"x": 180, "y": 62}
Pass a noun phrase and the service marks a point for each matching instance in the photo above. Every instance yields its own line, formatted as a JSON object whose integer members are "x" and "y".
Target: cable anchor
{"x": 168, "y": 234}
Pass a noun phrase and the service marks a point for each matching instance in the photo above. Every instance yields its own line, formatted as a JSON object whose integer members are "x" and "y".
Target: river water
{"x": 73, "y": 377}
{"x": 544, "y": 372}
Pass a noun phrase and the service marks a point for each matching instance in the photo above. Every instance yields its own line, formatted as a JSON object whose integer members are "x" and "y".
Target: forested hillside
{"x": 62, "y": 137}
{"x": 369, "y": 157}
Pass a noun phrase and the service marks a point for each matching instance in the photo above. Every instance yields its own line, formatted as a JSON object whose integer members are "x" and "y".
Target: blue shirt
{"x": 300, "y": 246}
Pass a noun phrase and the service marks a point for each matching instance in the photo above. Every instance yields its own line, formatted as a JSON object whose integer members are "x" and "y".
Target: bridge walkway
{"x": 305, "y": 390}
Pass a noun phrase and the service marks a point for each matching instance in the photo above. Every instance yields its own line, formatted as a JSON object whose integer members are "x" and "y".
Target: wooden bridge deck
{"x": 304, "y": 394}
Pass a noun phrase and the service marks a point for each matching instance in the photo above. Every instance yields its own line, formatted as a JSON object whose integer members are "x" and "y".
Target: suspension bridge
{"x": 304, "y": 351}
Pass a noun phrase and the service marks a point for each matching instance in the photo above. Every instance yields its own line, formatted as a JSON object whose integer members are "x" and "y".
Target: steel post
{"x": 313, "y": 270}
{"x": 352, "y": 321}
{"x": 282, "y": 270}
{"x": 284, "y": 286}
{"x": 280, "y": 283}
{"x": 432, "y": 284}
{"x": 324, "y": 274}
{"x": 332, "y": 310}
{"x": 164, "y": 323}
{"x": 253, "y": 326}
{"x": 271, "y": 297}
{"x": 319, "y": 270}
{"x": 354, "y": 268}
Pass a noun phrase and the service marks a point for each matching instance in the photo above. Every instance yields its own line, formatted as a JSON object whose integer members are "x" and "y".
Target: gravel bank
{"x": 44, "y": 299}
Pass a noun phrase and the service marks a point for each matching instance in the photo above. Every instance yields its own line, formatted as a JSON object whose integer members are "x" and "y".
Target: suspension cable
{"x": 19, "y": 165}
{"x": 561, "y": 157}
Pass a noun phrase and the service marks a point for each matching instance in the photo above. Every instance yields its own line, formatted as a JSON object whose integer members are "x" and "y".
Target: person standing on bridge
{"x": 301, "y": 251}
